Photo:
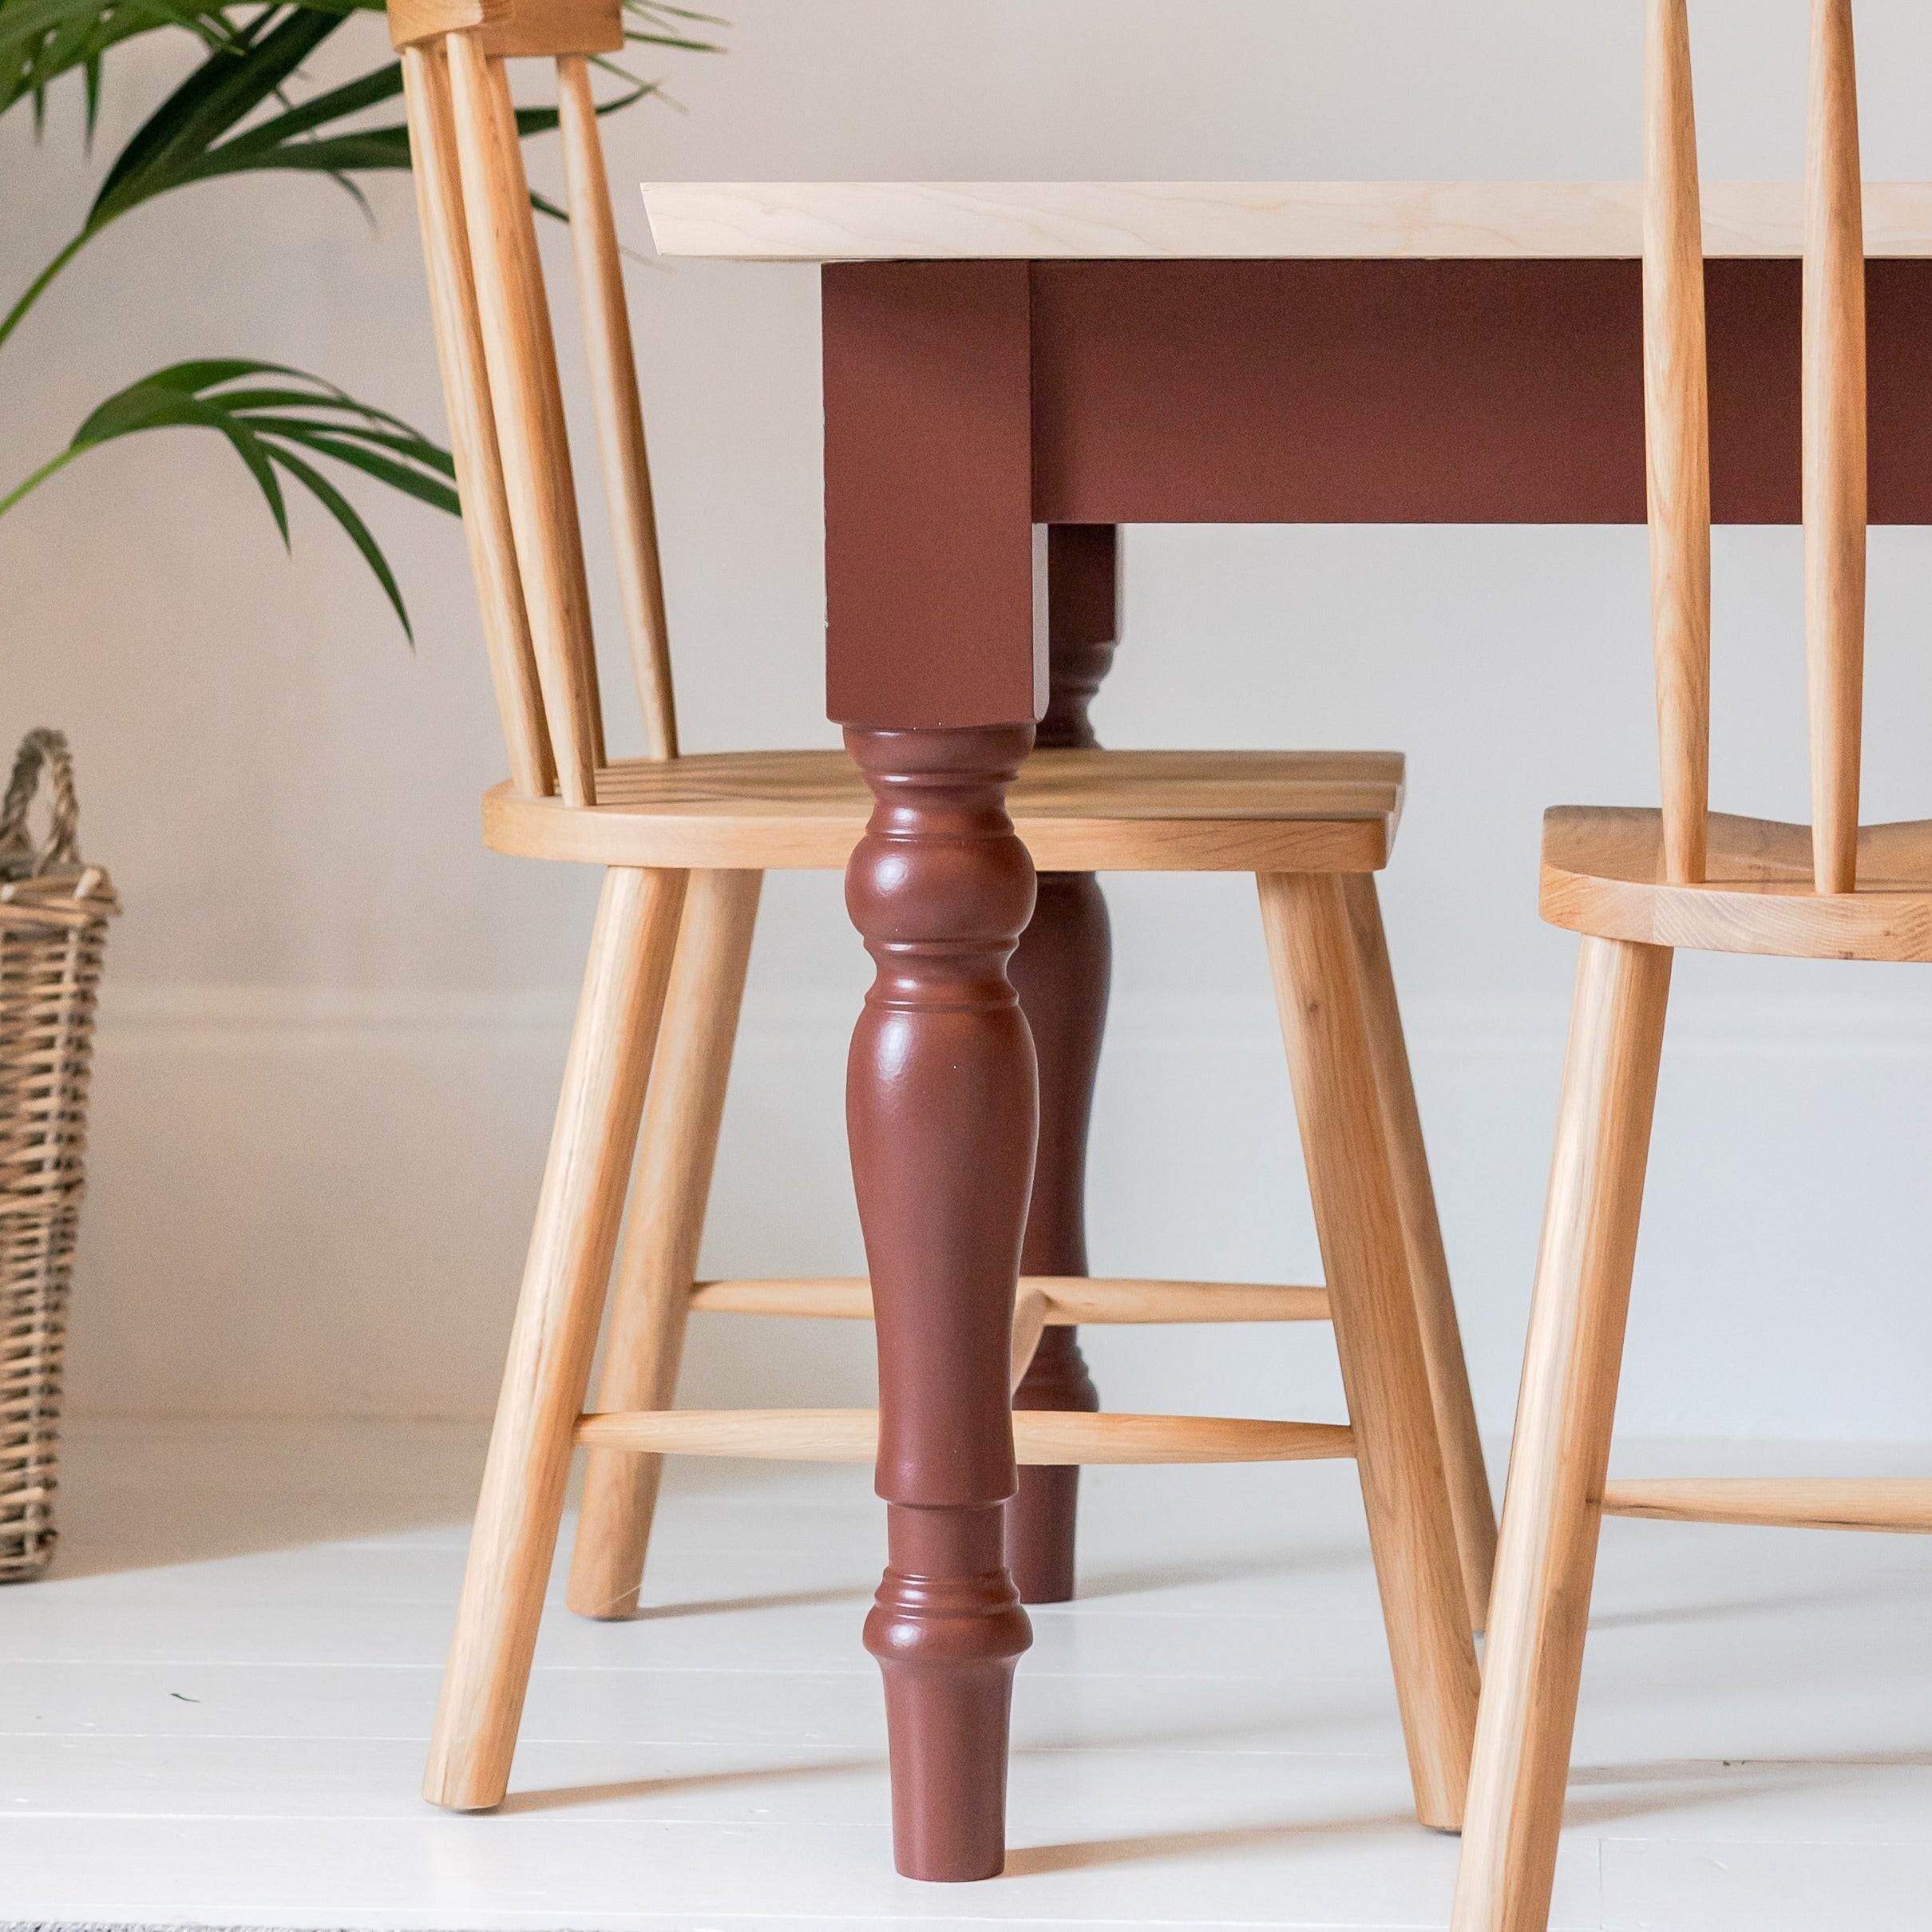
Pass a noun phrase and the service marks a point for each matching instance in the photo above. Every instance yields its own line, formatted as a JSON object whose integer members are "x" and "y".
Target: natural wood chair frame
{"x": 685, "y": 841}
{"x": 1636, "y": 884}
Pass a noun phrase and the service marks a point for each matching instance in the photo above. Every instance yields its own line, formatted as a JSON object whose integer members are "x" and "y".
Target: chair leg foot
{"x": 1547, "y": 1555}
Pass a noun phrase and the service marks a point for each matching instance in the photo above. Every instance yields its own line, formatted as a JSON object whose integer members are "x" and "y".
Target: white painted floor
{"x": 214, "y": 1712}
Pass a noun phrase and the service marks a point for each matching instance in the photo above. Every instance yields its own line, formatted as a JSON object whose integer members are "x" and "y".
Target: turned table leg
{"x": 936, "y": 664}
{"x": 1060, "y": 970}
{"x": 940, "y": 1106}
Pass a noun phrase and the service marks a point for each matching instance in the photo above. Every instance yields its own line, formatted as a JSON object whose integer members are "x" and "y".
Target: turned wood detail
{"x": 941, "y": 1108}
{"x": 1083, "y": 629}
{"x": 1061, "y": 970}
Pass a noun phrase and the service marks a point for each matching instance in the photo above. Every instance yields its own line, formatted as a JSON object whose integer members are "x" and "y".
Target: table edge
{"x": 838, "y": 221}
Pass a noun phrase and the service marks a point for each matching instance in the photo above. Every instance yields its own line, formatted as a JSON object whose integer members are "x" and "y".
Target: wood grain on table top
{"x": 816, "y": 221}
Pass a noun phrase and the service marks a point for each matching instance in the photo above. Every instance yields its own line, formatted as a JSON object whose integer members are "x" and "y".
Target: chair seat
{"x": 1078, "y": 811}
{"x": 1603, "y": 874}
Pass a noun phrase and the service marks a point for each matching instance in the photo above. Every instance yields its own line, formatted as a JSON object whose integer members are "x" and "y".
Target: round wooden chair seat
{"x": 1078, "y": 811}
{"x": 1603, "y": 875}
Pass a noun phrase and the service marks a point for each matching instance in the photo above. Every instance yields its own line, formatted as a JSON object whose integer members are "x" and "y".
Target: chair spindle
{"x": 1677, "y": 438}
{"x": 473, "y": 431}
{"x": 1834, "y": 439}
{"x": 619, "y": 413}
{"x": 521, "y": 355}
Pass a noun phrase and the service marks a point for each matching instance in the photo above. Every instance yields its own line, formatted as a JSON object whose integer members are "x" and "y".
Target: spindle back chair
{"x": 1637, "y": 884}
{"x": 685, "y": 839}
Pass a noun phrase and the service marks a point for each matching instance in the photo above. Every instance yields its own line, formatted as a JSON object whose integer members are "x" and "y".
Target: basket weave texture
{"x": 54, "y": 915}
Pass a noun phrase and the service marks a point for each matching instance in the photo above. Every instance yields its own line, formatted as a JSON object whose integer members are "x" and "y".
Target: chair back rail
{"x": 1834, "y": 438}
{"x": 1677, "y": 440}
{"x": 497, "y": 350}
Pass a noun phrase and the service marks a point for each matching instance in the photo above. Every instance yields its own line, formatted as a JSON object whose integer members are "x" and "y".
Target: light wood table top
{"x": 828, "y": 221}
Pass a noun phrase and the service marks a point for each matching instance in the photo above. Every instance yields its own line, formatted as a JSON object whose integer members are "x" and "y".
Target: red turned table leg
{"x": 940, "y": 1105}
{"x": 936, "y": 664}
{"x": 1061, "y": 970}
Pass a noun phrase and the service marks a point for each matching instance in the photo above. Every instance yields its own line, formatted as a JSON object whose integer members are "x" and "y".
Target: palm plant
{"x": 236, "y": 113}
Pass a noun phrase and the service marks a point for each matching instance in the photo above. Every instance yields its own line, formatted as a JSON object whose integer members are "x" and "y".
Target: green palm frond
{"x": 234, "y": 114}
{"x": 655, "y": 23}
{"x": 269, "y": 414}
{"x": 41, "y": 40}
{"x": 212, "y": 125}
{"x": 176, "y": 144}
{"x": 192, "y": 135}
{"x": 197, "y": 133}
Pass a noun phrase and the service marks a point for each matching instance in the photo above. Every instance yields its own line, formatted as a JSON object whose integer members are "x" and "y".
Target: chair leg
{"x": 1325, "y": 1027}
{"x": 1552, "y": 1504}
{"x": 650, "y": 1297}
{"x": 553, "y": 1339}
{"x": 1469, "y": 1501}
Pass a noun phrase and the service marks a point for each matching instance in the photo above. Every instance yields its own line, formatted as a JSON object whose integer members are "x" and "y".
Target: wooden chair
{"x": 1637, "y": 884}
{"x": 684, "y": 840}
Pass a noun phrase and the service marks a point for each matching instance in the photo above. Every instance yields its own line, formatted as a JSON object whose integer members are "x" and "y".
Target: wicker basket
{"x": 54, "y": 915}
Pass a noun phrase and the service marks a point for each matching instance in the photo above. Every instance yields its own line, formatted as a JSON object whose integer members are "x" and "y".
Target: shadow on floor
{"x": 1098, "y": 1584}
{"x": 565, "y": 1797}
{"x": 1032, "y": 1861}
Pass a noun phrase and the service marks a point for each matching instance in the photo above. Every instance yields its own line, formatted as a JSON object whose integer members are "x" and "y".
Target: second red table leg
{"x": 1061, "y": 970}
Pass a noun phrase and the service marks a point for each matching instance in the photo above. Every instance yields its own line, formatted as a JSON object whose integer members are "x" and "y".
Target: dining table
{"x": 1003, "y": 361}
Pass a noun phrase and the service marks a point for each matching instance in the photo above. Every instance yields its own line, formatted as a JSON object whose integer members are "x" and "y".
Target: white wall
{"x": 334, "y": 1024}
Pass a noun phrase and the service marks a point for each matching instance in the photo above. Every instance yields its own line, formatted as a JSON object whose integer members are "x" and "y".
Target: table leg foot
{"x": 947, "y": 1629}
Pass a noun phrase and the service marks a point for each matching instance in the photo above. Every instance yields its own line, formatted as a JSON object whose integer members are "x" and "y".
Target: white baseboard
{"x": 315, "y": 1203}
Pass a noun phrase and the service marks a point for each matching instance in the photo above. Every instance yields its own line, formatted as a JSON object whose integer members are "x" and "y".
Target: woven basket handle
{"x": 42, "y": 751}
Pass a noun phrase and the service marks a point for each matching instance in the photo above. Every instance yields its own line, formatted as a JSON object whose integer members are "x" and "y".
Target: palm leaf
{"x": 266, "y": 424}
{"x": 198, "y": 134}
{"x": 41, "y": 40}
{"x": 344, "y": 511}
{"x": 181, "y": 141}
{"x": 370, "y": 90}
{"x": 159, "y": 406}
{"x": 655, "y": 23}
{"x": 229, "y": 86}
{"x": 363, "y": 450}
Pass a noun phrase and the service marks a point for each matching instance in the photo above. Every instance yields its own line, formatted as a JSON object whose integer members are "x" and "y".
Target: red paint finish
{"x": 1061, "y": 970}
{"x": 933, "y": 607}
{"x": 1898, "y": 338}
{"x": 1335, "y": 392}
{"x": 1084, "y": 569}
{"x": 1432, "y": 392}
{"x": 940, "y": 1103}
